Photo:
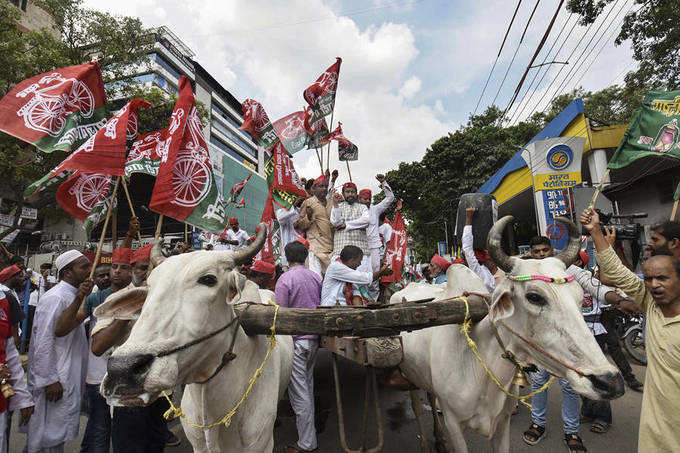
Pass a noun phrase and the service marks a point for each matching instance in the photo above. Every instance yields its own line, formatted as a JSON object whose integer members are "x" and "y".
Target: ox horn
{"x": 570, "y": 252}
{"x": 156, "y": 256}
{"x": 493, "y": 244}
{"x": 244, "y": 255}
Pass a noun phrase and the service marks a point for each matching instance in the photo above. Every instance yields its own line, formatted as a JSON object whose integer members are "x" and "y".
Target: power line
{"x": 574, "y": 68}
{"x": 585, "y": 33}
{"x": 516, "y": 50}
{"x": 497, "y": 56}
{"x": 531, "y": 62}
{"x": 522, "y": 104}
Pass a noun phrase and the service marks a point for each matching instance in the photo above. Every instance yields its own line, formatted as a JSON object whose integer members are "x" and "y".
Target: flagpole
{"x": 158, "y": 228}
{"x": 186, "y": 234}
{"x": 599, "y": 188}
{"x": 328, "y": 150}
{"x": 245, "y": 224}
{"x": 320, "y": 158}
{"x": 132, "y": 210}
{"x": 675, "y": 209}
{"x": 114, "y": 229}
{"x": 348, "y": 171}
{"x": 101, "y": 237}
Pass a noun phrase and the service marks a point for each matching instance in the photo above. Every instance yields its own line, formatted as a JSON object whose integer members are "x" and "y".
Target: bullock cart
{"x": 368, "y": 336}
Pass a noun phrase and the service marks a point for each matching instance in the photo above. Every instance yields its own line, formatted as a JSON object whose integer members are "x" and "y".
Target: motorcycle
{"x": 630, "y": 330}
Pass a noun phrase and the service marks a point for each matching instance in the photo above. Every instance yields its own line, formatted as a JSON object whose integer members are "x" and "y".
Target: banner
{"x": 256, "y": 123}
{"x": 104, "y": 152}
{"x": 266, "y": 253}
{"x": 555, "y": 163}
{"x": 79, "y": 194}
{"x": 291, "y": 131}
{"x": 57, "y": 110}
{"x": 281, "y": 175}
{"x": 347, "y": 151}
{"x": 396, "y": 250}
{"x": 185, "y": 187}
{"x": 653, "y": 131}
{"x": 321, "y": 94}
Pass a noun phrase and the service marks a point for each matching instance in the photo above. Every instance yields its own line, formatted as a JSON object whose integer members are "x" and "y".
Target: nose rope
{"x": 465, "y": 328}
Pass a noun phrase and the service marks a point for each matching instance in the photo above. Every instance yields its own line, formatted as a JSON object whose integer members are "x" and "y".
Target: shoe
{"x": 172, "y": 440}
{"x": 634, "y": 384}
{"x": 296, "y": 449}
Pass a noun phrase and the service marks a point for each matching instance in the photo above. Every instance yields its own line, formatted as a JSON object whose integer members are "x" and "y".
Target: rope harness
{"x": 176, "y": 411}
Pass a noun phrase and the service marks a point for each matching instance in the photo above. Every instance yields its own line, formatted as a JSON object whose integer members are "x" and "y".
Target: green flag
{"x": 654, "y": 130}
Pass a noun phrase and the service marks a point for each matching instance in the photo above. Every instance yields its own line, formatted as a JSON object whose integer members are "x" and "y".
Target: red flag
{"x": 396, "y": 250}
{"x": 104, "y": 152}
{"x": 292, "y": 132}
{"x": 280, "y": 172}
{"x": 57, "y": 110}
{"x": 81, "y": 192}
{"x": 336, "y": 135}
{"x": 257, "y": 124}
{"x": 237, "y": 188}
{"x": 145, "y": 153}
{"x": 323, "y": 90}
{"x": 266, "y": 253}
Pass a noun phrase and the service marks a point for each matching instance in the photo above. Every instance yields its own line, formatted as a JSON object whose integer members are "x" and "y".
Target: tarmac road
{"x": 400, "y": 426}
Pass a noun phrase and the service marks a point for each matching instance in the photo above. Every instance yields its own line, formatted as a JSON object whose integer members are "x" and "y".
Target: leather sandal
{"x": 534, "y": 434}
{"x": 574, "y": 443}
{"x": 296, "y": 449}
{"x": 599, "y": 427}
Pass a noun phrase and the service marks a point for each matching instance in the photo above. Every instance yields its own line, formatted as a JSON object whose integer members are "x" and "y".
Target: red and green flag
{"x": 316, "y": 130}
{"x": 347, "y": 151}
{"x": 291, "y": 131}
{"x": 321, "y": 94}
{"x": 145, "y": 153}
{"x": 396, "y": 250}
{"x": 282, "y": 179}
{"x": 256, "y": 123}
{"x": 185, "y": 186}
{"x": 237, "y": 188}
{"x": 654, "y": 130}
{"x": 57, "y": 110}
{"x": 266, "y": 253}
{"x": 82, "y": 191}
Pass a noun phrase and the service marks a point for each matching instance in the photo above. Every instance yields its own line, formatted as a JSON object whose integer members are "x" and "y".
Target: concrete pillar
{"x": 597, "y": 164}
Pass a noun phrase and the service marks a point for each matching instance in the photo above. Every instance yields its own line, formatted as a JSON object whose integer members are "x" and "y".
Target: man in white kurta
{"x": 287, "y": 219}
{"x": 233, "y": 238}
{"x": 372, "y": 230}
{"x": 57, "y": 365}
{"x": 21, "y": 400}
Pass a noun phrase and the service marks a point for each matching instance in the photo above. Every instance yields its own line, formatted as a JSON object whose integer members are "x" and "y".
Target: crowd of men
{"x": 332, "y": 253}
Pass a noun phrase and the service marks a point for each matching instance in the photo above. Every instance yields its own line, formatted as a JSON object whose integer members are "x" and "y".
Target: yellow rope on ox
{"x": 174, "y": 411}
{"x": 465, "y": 328}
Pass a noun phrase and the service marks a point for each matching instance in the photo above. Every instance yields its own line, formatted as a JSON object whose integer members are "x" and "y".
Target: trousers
{"x": 599, "y": 411}
{"x": 614, "y": 347}
{"x": 301, "y": 391}
{"x": 97, "y": 435}
{"x": 139, "y": 429}
{"x": 374, "y": 287}
{"x": 570, "y": 402}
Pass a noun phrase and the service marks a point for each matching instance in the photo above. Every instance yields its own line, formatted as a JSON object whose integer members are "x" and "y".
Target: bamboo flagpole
{"x": 328, "y": 150}
{"x": 348, "y": 171}
{"x": 132, "y": 209}
{"x": 158, "y": 228}
{"x": 320, "y": 158}
{"x": 101, "y": 237}
{"x": 675, "y": 209}
{"x": 186, "y": 234}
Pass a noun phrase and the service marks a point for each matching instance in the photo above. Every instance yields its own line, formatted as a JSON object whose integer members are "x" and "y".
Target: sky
{"x": 412, "y": 70}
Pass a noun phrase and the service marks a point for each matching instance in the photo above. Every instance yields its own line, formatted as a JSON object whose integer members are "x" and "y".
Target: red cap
{"x": 349, "y": 185}
{"x": 304, "y": 242}
{"x": 233, "y": 220}
{"x": 121, "y": 255}
{"x": 440, "y": 261}
{"x": 320, "y": 179}
{"x": 458, "y": 261}
{"x": 584, "y": 257}
{"x": 263, "y": 267}
{"x": 9, "y": 272}
{"x": 482, "y": 255}
{"x": 143, "y": 253}
{"x": 365, "y": 193}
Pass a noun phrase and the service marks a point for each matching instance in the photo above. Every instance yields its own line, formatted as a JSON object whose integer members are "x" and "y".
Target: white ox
{"x": 190, "y": 296}
{"x": 440, "y": 361}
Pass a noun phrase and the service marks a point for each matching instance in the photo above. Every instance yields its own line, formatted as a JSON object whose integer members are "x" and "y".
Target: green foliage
{"x": 652, "y": 27}
{"x": 455, "y": 164}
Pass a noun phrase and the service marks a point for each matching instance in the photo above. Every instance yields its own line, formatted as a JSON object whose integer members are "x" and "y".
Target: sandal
{"x": 296, "y": 449}
{"x": 599, "y": 427}
{"x": 534, "y": 434}
{"x": 574, "y": 443}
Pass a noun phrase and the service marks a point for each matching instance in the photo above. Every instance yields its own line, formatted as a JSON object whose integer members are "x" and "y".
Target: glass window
{"x": 227, "y": 149}
{"x": 233, "y": 136}
{"x": 165, "y": 64}
{"x": 226, "y": 116}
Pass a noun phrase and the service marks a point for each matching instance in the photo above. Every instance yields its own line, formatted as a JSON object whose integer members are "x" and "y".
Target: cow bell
{"x": 520, "y": 378}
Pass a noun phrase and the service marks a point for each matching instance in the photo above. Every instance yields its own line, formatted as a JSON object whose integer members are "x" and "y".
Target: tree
{"x": 453, "y": 165}
{"x": 118, "y": 43}
{"x": 655, "y": 36}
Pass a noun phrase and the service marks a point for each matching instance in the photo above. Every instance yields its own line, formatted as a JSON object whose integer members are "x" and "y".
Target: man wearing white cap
{"x": 56, "y": 365}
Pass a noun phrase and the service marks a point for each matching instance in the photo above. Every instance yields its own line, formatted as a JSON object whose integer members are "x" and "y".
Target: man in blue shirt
{"x": 438, "y": 266}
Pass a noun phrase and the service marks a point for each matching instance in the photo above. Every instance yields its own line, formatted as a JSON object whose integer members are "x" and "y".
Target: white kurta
{"x": 52, "y": 359}
{"x": 372, "y": 230}
{"x": 482, "y": 271}
{"x": 287, "y": 219}
{"x": 22, "y": 398}
{"x": 337, "y": 275}
{"x": 241, "y": 236}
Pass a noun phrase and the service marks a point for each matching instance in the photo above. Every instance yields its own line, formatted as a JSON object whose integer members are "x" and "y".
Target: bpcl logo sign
{"x": 559, "y": 157}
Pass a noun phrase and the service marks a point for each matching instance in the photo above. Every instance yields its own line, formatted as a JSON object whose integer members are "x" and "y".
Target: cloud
{"x": 410, "y": 87}
{"x": 439, "y": 107}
